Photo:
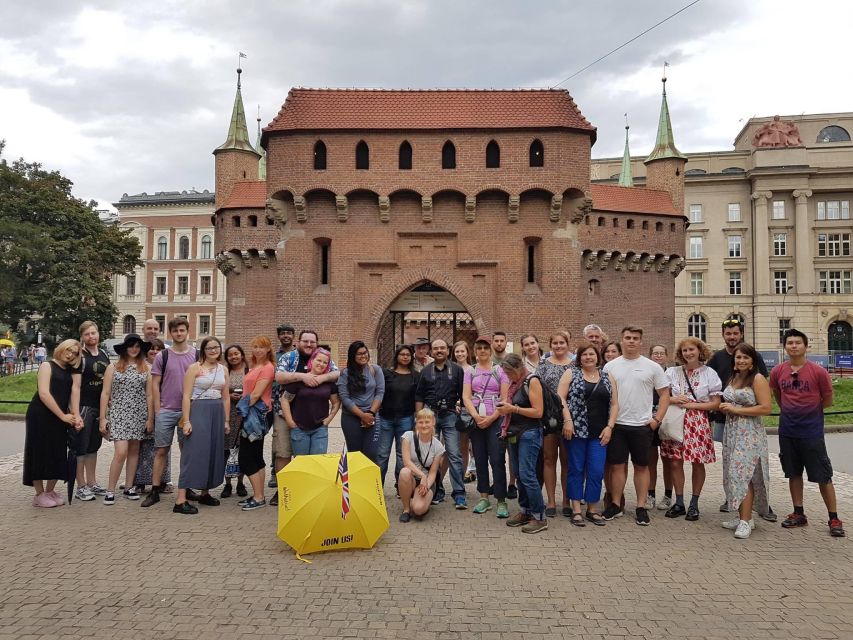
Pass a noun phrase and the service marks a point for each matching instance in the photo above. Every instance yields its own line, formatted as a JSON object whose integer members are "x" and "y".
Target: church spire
{"x": 665, "y": 144}
{"x": 238, "y": 132}
{"x": 625, "y": 177}
{"x": 262, "y": 165}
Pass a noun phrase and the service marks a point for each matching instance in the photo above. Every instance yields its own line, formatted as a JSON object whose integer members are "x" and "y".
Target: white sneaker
{"x": 84, "y": 493}
{"x": 665, "y": 503}
{"x": 744, "y": 528}
{"x": 98, "y": 490}
{"x": 650, "y": 502}
{"x": 731, "y": 525}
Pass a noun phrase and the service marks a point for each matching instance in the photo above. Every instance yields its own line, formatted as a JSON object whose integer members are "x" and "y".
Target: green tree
{"x": 57, "y": 257}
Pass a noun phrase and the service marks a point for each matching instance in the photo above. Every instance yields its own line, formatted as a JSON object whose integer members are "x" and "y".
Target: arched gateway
{"x": 425, "y": 311}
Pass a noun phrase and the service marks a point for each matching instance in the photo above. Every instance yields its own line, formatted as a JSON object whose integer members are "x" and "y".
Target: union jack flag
{"x": 343, "y": 472}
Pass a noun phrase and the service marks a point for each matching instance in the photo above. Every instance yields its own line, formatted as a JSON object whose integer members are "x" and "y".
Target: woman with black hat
{"x": 127, "y": 411}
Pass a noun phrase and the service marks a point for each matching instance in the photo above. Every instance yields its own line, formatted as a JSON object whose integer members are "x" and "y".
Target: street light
{"x": 784, "y": 296}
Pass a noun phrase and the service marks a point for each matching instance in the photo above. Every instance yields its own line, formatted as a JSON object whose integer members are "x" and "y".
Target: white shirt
{"x": 428, "y": 450}
{"x": 636, "y": 379}
{"x": 706, "y": 383}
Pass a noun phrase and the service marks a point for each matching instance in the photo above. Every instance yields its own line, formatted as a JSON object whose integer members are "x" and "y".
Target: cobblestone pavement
{"x": 127, "y": 572}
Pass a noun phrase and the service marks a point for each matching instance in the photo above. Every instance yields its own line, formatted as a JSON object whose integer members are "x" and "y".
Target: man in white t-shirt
{"x": 637, "y": 378}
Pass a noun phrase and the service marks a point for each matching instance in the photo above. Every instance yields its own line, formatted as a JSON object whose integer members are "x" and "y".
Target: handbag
{"x": 464, "y": 422}
{"x": 672, "y": 427}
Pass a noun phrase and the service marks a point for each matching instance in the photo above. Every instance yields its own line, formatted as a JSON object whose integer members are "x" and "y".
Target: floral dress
{"x": 128, "y": 410}
{"x": 232, "y": 439}
{"x": 698, "y": 444}
{"x": 745, "y": 457}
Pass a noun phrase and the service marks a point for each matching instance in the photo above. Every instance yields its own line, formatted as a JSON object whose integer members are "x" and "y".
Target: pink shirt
{"x": 485, "y": 385}
{"x": 264, "y": 372}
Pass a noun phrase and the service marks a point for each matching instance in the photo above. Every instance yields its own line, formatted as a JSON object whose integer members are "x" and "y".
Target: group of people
{"x": 441, "y": 407}
{"x": 10, "y": 356}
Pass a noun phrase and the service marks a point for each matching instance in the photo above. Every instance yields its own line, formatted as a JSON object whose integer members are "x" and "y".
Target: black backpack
{"x": 552, "y": 409}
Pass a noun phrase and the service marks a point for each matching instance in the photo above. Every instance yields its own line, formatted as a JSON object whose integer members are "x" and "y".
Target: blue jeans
{"x": 391, "y": 430}
{"x": 359, "y": 438}
{"x": 445, "y": 429}
{"x": 586, "y": 458}
{"x": 523, "y": 456}
{"x": 304, "y": 443}
{"x": 489, "y": 452}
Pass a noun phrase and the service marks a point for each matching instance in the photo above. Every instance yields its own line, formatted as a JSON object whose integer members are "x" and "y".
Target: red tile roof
{"x": 610, "y": 197}
{"x": 347, "y": 109}
{"x": 247, "y": 195}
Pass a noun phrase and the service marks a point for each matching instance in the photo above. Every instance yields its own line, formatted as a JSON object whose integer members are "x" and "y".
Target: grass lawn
{"x": 21, "y": 387}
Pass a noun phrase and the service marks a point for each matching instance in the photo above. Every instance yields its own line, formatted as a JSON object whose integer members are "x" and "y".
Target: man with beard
{"x": 285, "y": 333}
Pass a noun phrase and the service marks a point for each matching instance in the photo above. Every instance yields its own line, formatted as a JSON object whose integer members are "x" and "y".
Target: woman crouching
{"x": 422, "y": 456}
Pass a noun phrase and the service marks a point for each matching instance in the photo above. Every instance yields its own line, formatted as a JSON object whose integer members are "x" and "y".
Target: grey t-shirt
{"x": 428, "y": 450}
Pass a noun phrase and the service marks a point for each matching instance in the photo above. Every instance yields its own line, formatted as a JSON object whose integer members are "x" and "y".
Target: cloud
{"x": 134, "y": 97}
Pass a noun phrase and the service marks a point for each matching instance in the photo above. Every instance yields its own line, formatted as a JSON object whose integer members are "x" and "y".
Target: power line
{"x": 625, "y": 44}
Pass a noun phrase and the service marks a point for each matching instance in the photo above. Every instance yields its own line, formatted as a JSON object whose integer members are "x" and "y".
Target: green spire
{"x": 665, "y": 144}
{"x": 625, "y": 177}
{"x": 238, "y": 132}
{"x": 262, "y": 165}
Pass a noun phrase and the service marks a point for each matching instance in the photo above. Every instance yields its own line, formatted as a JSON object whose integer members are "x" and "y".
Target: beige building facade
{"x": 179, "y": 276}
{"x": 770, "y": 232}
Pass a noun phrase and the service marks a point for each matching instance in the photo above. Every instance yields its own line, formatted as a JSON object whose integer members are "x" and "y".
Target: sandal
{"x": 577, "y": 519}
{"x": 595, "y": 518}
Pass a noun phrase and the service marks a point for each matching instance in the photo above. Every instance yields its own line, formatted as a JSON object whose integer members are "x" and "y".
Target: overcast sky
{"x": 131, "y": 97}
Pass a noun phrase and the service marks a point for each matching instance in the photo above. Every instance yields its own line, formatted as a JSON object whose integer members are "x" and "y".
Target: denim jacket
{"x": 254, "y": 418}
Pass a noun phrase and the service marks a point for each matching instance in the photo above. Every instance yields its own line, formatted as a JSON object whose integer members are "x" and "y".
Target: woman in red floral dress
{"x": 697, "y": 389}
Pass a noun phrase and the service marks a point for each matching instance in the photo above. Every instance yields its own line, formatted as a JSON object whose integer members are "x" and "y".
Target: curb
{"x": 13, "y": 416}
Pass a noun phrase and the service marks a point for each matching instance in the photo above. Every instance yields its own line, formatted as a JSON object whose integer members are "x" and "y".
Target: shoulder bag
{"x": 672, "y": 427}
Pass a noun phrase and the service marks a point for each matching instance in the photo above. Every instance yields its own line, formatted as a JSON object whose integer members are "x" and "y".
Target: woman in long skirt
{"x": 206, "y": 406}
{"x": 53, "y": 410}
{"x": 745, "y": 464}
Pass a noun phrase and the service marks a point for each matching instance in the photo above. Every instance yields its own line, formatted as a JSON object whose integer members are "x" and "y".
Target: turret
{"x": 665, "y": 164}
{"x": 626, "y": 179}
{"x": 236, "y": 158}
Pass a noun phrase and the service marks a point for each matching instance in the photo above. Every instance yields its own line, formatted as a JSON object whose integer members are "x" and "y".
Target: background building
{"x": 770, "y": 232}
{"x": 179, "y": 276}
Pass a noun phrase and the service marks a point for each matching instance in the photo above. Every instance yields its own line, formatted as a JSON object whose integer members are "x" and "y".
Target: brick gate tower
{"x": 390, "y": 214}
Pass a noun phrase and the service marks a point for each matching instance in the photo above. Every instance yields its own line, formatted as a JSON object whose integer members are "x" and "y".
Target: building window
{"x": 537, "y": 154}
{"x": 735, "y": 246}
{"x": 833, "y": 133}
{"x": 319, "y": 155}
{"x": 734, "y": 212}
{"x": 184, "y": 248}
{"x": 362, "y": 155}
{"x": 253, "y": 221}
{"x": 593, "y": 287}
{"x": 659, "y": 227}
{"x": 780, "y": 244}
{"x": 735, "y": 283}
{"x": 834, "y": 282}
{"x": 697, "y": 327}
{"x": 833, "y": 244}
{"x": 780, "y": 282}
{"x": 493, "y": 155}
{"x": 697, "y": 284}
{"x": 324, "y": 260}
{"x": 235, "y": 220}
{"x": 162, "y": 248}
{"x": 645, "y": 225}
{"x": 448, "y": 156}
{"x": 672, "y": 227}
{"x": 615, "y": 222}
{"x": 206, "y": 248}
{"x": 130, "y": 285}
{"x": 183, "y": 285}
{"x": 531, "y": 260}
{"x": 833, "y": 210}
{"x": 601, "y": 222}
{"x": 784, "y": 325}
{"x": 160, "y": 286}
{"x": 630, "y": 224}
{"x": 778, "y": 209}
{"x": 405, "y": 156}
{"x": 204, "y": 285}
{"x": 695, "y": 213}
{"x": 695, "y": 246}
{"x": 204, "y": 325}
{"x": 129, "y": 324}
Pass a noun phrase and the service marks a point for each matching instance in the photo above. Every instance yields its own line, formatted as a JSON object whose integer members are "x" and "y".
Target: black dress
{"x": 46, "y": 443}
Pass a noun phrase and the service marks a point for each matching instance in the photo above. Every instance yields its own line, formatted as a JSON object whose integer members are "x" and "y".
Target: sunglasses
{"x": 732, "y": 323}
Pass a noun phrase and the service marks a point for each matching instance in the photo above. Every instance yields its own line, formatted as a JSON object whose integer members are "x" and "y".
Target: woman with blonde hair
{"x": 550, "y": 372}
{"x": 697, "y": 389}
{"x": 422, "y": 455}
{"x": 257, "y": 393}
{"x": 126, "y": 411}
{"x": 54, "y": 408}
{"x": 462, "y": 356}
{"x": 205, "y": 409}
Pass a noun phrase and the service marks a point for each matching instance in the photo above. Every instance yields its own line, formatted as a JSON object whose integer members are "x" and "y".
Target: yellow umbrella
{"x": 310, "y": 515}
{"x": 6, "y": 343}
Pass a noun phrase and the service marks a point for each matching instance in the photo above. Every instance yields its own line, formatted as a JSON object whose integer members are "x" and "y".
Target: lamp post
{"x": 784, "y": 296}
